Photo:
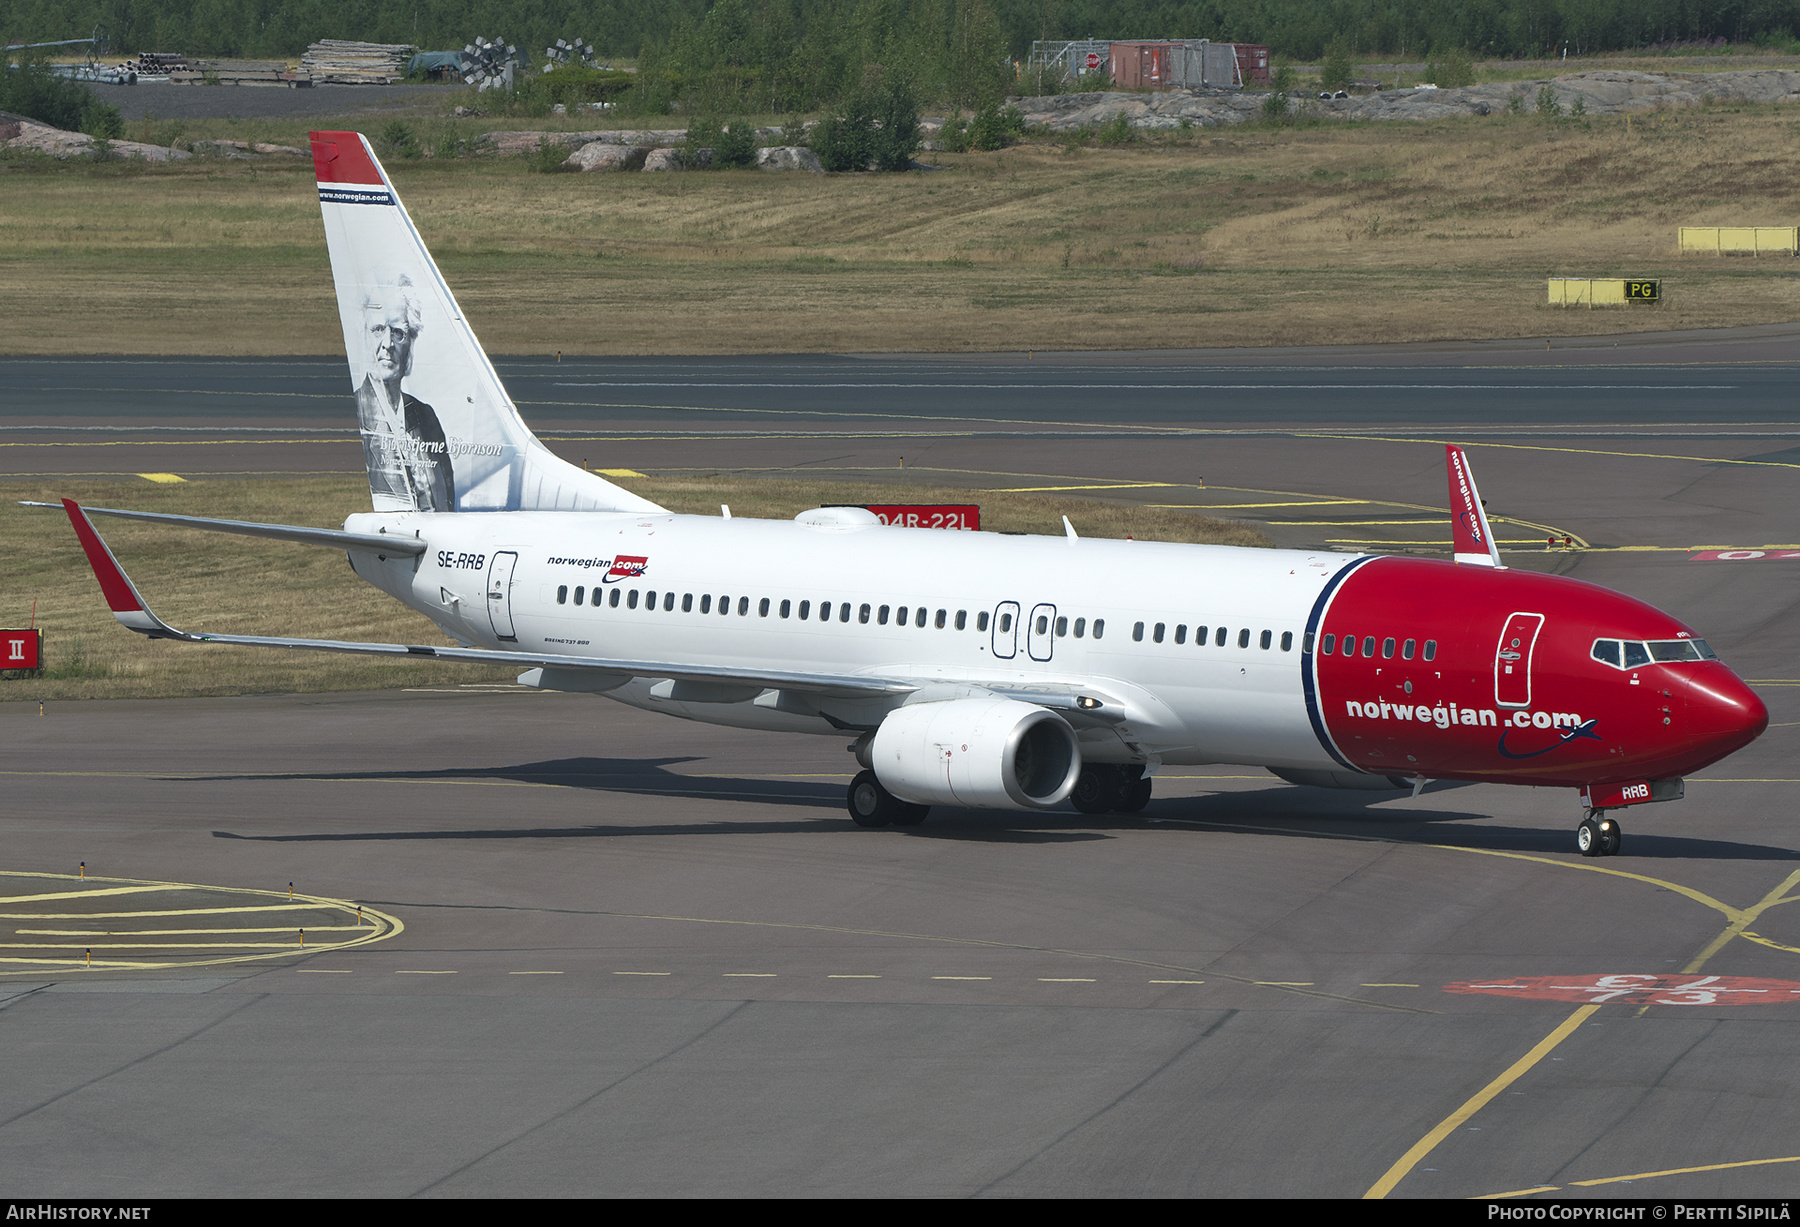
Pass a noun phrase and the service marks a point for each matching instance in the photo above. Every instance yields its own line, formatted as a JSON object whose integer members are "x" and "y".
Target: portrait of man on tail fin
{"x": 403, "y": 442}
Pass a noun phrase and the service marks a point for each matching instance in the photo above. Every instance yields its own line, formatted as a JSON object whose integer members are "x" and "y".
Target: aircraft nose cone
{"x": 1721, "y": 708}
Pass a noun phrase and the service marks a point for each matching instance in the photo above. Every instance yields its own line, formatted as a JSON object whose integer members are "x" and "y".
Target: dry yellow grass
{"x": 238, "y": 585}
{"x": 1390, "y": 232}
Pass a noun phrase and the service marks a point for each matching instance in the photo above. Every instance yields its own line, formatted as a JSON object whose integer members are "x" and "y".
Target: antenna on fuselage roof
{"x": 1473, "y": 539}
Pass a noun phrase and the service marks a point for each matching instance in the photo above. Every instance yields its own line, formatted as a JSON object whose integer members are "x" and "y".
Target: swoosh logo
{"x": 1584, "y": 729}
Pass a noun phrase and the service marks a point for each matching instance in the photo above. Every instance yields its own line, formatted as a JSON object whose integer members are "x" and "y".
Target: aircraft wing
{"x": 377, "y": 542}
{"x": 132, "y": 612}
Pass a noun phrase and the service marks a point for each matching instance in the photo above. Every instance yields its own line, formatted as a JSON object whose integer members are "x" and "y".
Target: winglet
{"x": 121, "y": 595}
{"x": 1468, "y": 520}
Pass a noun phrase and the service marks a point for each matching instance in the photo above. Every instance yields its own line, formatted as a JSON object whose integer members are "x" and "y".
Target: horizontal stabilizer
{"x": 1474, "y": 540}
{"x": 336, "y": 539}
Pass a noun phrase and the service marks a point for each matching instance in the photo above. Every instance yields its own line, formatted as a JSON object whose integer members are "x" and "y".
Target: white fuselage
{"x": 999, "y": 610}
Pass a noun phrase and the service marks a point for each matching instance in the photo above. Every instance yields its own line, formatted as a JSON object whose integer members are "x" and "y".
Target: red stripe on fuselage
{"x": 340, "y": 157}
{"x": 1457, "y": 716}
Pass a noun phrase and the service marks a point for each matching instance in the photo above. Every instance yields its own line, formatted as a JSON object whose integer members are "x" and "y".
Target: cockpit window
{"x": 1624, "y": 654}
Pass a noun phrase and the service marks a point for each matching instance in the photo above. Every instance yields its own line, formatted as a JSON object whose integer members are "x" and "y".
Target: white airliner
{"x": 967, "y": 668}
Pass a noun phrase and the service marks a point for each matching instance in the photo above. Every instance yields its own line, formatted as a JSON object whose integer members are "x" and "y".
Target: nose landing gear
{"x": 1598, "y": 835}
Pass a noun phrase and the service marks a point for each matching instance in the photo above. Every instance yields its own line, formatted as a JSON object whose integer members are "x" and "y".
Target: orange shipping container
{"x": 1141, "y": 65}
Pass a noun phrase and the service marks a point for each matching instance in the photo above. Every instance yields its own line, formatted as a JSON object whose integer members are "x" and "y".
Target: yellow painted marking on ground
{"x": 1315, "y": 502}
{"x": 643, "y": 973}
{"x": 1284, "y": 983}
{"x": 1425, "y": 541}
{"x": 1379, "y": 985}
{"x": 1178, "y": 981}
{"x": 192, "y": 911}
{"x": 618, "y": 472}
{"x": 1579, "y": 451}
{"x": 1673, "y": 1171}
{"x": 181, "y": 932}
{"x": 1065, "y": 980}
{"x": 375, "y": 926}
{"x": 88, "y": 894}
{"x": 1123, "y": 485}
{"x": 1432, "y": 523}
{"x": 1738, "y": 919}
{"x": 1697, "y": 896}
{"x": 165, "y": 479}
{"x": 534, "y": 973}
{"x": 1740, "y": 922}
{"x": 293, "y": 945}
{"x": 962, "y": 977}
{"x": 424, "y": 973}
{"x": 847, "y": 976}
{"x": 1542, "y": 1188}
{"x": 1518, "y": 1069}
{"x": 750, "y": 975}
{"x": 1683, "y": 1171}
{"x": 1760, "y": 940}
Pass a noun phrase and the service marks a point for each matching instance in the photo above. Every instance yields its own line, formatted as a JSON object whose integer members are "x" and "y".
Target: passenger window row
{"x": 1346, "y": 646}
{"x": 824, "y": 611}
{"x": 1219, "y": 636}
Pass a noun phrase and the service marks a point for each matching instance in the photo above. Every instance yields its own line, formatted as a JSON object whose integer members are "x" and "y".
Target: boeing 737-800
{"x": 968, "y": 668}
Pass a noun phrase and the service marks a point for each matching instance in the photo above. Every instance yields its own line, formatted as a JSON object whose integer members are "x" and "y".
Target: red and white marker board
{"x": 1637, "y": 989}
{"x": 22, "y": 649}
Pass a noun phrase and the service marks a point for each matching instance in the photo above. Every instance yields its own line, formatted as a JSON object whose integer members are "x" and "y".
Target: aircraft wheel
{"x": 1588, "y": 840}
{"x": 1096, "y": 788}
{"x": 1611, "y": 836}
{"x": 906, "y": 814}
{"x": 1137, "y": 795}
{"x": 870, "y": 804}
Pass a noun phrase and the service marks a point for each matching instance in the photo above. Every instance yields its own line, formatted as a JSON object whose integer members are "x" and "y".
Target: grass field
{"x": 1252, "y": 236}
{"x": 240, "y": 585}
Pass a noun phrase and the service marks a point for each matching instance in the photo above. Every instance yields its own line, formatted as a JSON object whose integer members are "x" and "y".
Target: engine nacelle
{"x": 977, "y": 752}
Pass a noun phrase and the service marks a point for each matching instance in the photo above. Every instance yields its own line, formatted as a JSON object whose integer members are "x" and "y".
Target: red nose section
{"x": 1723, "y": 710}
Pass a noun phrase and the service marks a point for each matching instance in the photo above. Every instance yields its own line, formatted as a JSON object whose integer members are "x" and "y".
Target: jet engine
{"x": 987, "y": 752}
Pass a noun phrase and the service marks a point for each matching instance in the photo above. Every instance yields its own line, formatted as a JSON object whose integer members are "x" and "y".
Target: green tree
{"x": 879, "y": 129}
{"x": 978, "y": 72}
{"x": 29, "y": 88}
{"x": 1450, "y": 67}
{"x": 1336, "y": 70}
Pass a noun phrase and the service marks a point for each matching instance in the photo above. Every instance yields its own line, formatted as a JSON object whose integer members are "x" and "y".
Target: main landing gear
{"x": 871, "y": 805}
{"x": 1598, "y": 835}
{"x": 1111, "y": 787}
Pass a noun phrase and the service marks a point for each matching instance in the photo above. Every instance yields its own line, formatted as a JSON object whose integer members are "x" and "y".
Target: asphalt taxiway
{"x": 606, "y": 953}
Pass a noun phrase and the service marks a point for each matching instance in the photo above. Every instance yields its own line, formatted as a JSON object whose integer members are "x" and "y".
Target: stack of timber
{"x": 233, "y": 72}
{"x": 333, "y": 61}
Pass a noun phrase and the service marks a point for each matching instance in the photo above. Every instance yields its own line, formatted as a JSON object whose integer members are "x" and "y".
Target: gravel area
{"x": 261, "y": 102}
